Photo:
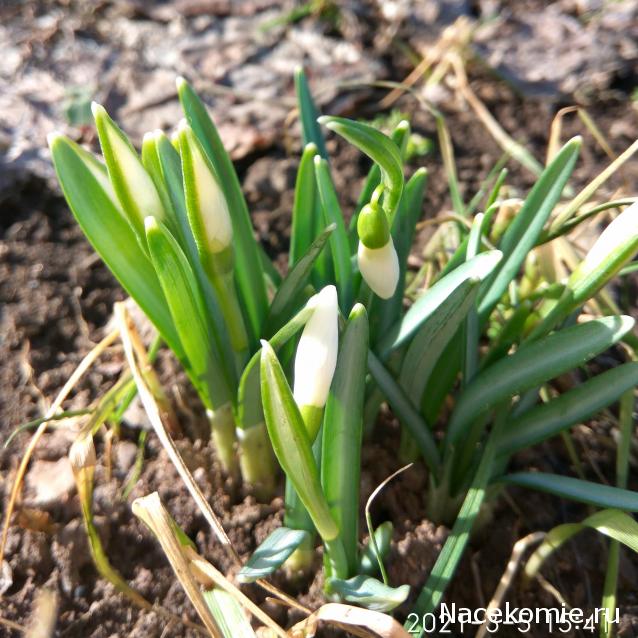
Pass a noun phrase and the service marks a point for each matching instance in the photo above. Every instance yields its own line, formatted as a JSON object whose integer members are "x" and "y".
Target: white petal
{"x": 380, "y": 268}
{"x": 621, "y": 230}
{"x": 212, "y": 204}
{"x": 316, "y": 356}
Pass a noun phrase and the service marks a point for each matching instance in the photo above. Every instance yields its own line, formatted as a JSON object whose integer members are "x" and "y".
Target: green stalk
{"x": 342, "y": 434}
{"x": 222, "y": 426}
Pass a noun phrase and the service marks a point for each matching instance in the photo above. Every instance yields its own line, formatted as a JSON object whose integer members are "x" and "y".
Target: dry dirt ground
{"x": 528, "y": 60}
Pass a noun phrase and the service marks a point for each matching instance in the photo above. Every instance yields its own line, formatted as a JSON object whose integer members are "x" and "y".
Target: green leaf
{"x": 432, "y": 338}
{"x": 454, "y": 548}
{"x": 87, "y": 190}
{"x": 339, "y": 245}
{"x": 612, "y": 523}
{"x": 304, "y": 206}
{"x": 477, "y": 268}
{"x": 531, "y": 366}
{"x": 229, "y": 614}
{"x": 272, "y": 553}
{"x": 291, "y": 443}
{"x": 380, "y": 149}
{"x": 250, "y": 279}
{"x": 369, "y": 593}
{"x": 574, "y": 406}
{"x": 289, "y": 293}
{"x": 522, "y": 234}
{"x": 308, "y": 114}
{"x": 576, "y": 490}
{"x": 406, "y": 412}
{"x": 188, "y": 311}
{"x": 342, "y": 433}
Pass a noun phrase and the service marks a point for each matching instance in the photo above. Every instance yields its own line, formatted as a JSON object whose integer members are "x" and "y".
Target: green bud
{"x": 372, "y": 226}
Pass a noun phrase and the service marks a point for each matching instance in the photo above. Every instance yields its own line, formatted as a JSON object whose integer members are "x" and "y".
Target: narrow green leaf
{"x": 574, "y": 406}
{"x": 576, "y": 490}
{"x": 454, "y": 548}
{"x": 611, "y": 522}
{"x": 250, "y": 280}
{"x": 406, "y": 412}
{"x": 369, "y": 593}
{"x": 532, "y": 365}
{"x": 85, "y": 185}
{"x": 308, "y": 114}
{"x": 291, "y": 444}
{"x": 380, "y": 149}
{"x": 342, "y": 433}
{"x": 339, "y": 245}
{"x": 188, "y": 311}
{"x": 272, "y": 554}
{"x": 477, "y": 268}
{"x": 432, "y": 338}
{"x": 289, "y": 293}
{"x": 523, "y": 233}
{"x": 303, "y": 209}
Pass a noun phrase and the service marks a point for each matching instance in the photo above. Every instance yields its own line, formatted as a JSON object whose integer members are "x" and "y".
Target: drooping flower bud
{"x": 316, "y": 356}
{"x": 376, "y": 256}
{"x": 617, "y": 238}
{"x": 207, "y": 207}
{"x": 132, "y": 184}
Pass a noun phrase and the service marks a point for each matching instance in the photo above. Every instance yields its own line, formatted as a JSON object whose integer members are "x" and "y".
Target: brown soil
{"x": 57, "y": 297}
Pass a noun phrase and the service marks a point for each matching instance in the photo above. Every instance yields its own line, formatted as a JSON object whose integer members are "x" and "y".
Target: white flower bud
{"x": 380, "y": 268}
{"x": 209, "y": 200}
{"x": 622, "y": 230}
{"x": 316, "y": 356}
{"x": 133, "y": 185}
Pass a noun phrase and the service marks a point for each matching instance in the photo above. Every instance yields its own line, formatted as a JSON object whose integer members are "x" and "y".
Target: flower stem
{"x": 256, "y": 460}
{"x": 223, "y": 433}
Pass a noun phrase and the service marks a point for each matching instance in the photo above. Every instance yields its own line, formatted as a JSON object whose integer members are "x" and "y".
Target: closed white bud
{"x": 133, "y": 185}
{"x": 316, "y": 356}
{"x": 380, "y": 268}
{"x": 622, "y": 230}
{"x": 207, "y": 199}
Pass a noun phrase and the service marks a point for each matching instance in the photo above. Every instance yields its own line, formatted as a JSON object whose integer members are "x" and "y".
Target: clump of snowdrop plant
{"x": 466, "y": 369}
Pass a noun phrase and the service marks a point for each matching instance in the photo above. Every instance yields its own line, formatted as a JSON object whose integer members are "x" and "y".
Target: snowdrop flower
{"x": 316, "y": 357}
{"x": 376, "y": 255}
{"x": 207, "y": 207}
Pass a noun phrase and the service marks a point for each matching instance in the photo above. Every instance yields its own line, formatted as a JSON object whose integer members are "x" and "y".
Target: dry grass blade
{"x": 355, "y": 620}
{"x": 85, "y": 364}
{"x": 583, "y": 197}
{"x": 129, "y": 337}
{"x": 368, "y": 515}
{"x": 151, "y": 511}
{"x": 503, "y": 139}
{"x": 12, "y": 625}
{"x": 520, "y": 547}
{"x": 154, "y": 413}
{"x": 208, "y": 575}
{"x": 554, "y": 143}
{"x": 44, "y": 615}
